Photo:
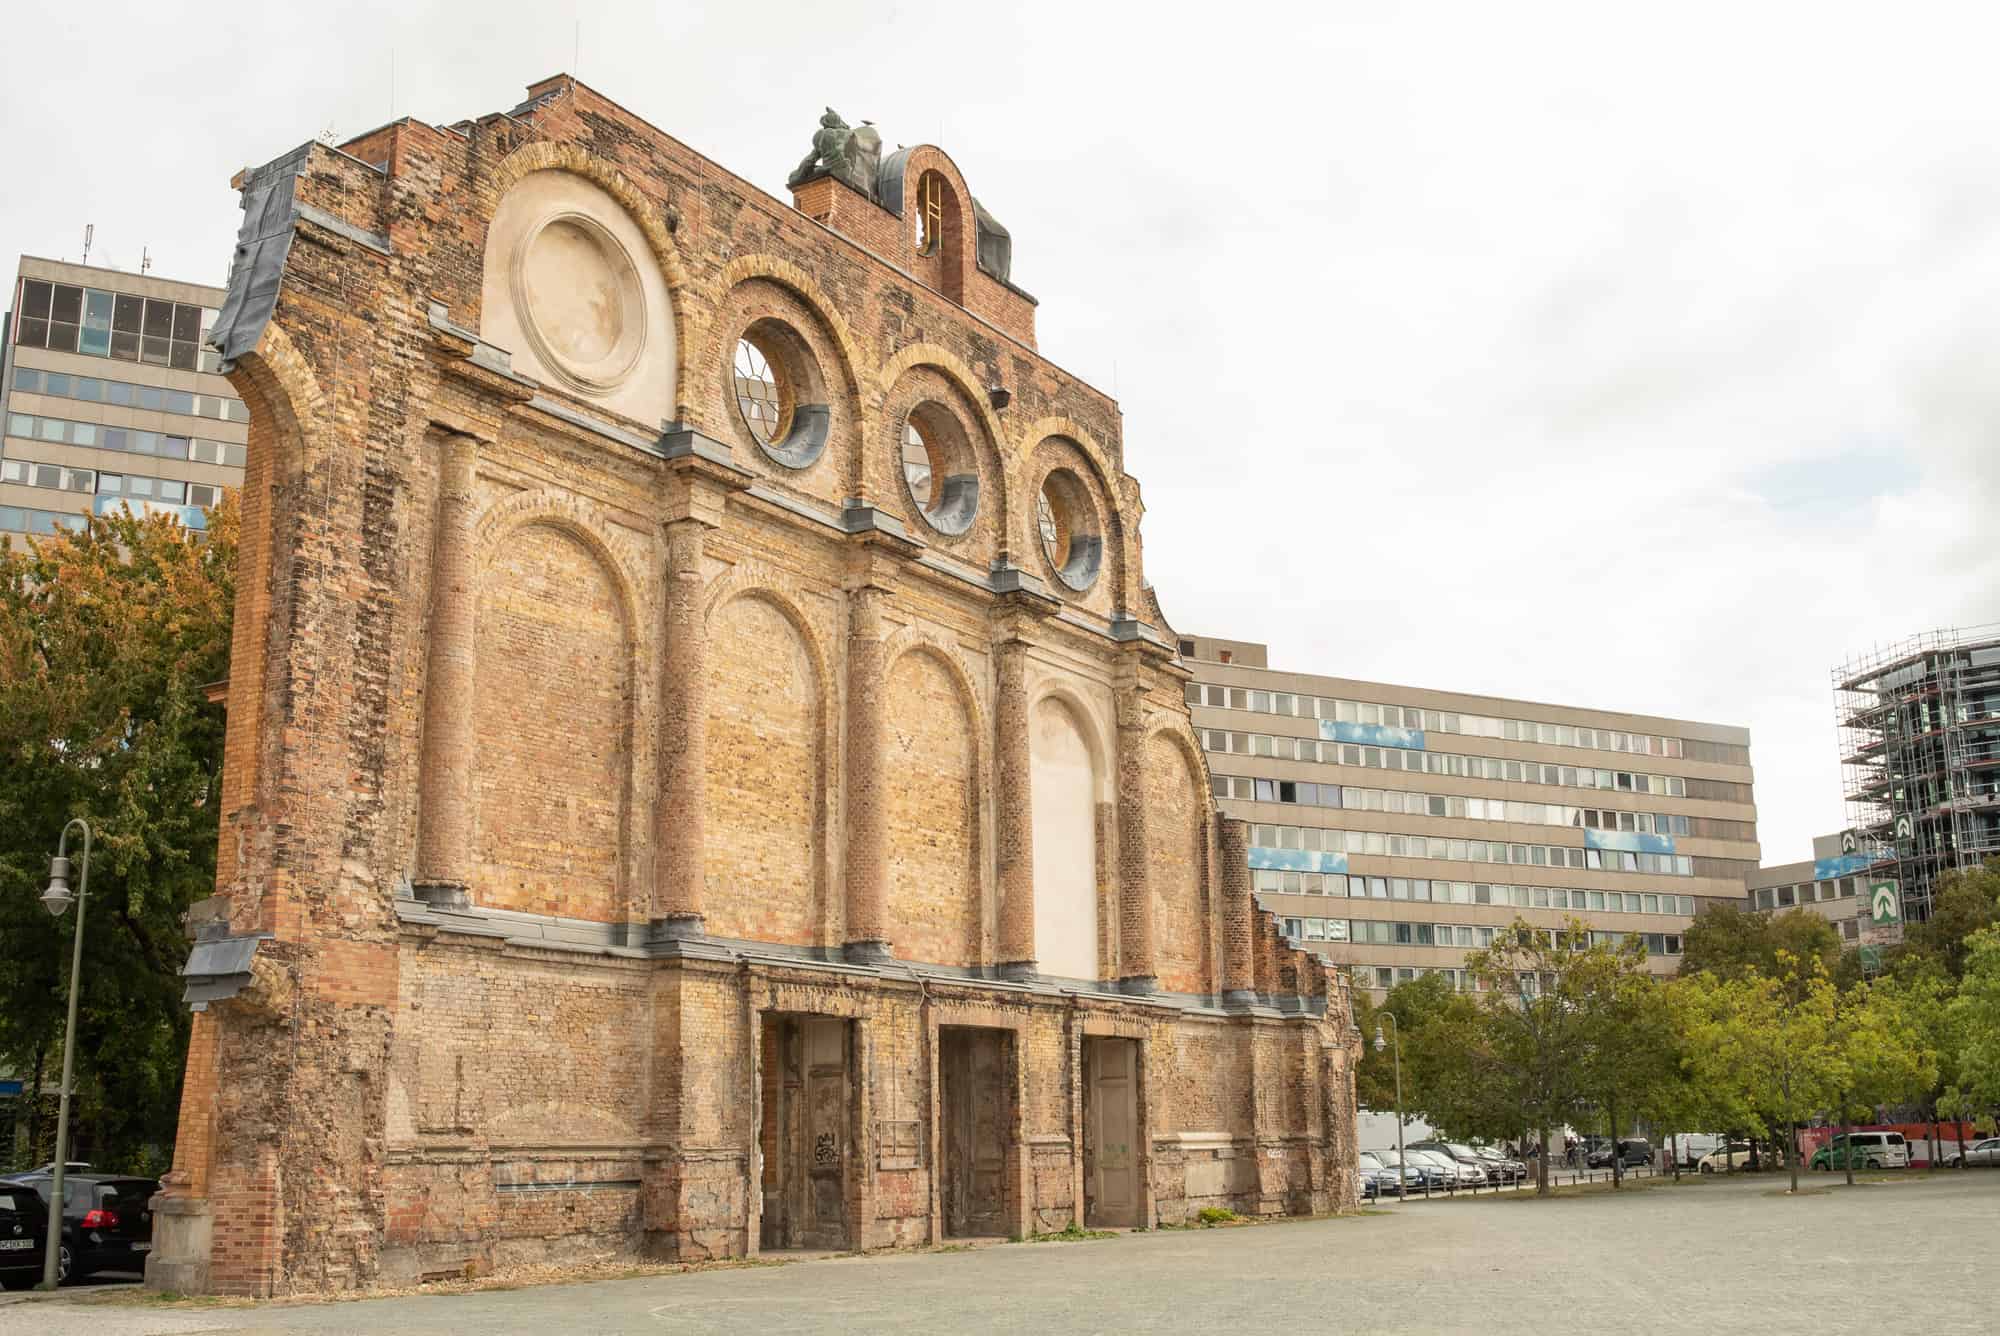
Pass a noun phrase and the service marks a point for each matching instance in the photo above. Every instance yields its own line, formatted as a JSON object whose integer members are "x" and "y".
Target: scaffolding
{"x": 1919, "y": 729}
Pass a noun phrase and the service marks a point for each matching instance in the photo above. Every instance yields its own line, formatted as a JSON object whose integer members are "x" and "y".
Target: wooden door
{"x": 1111, "y": 1118}
{"x": 976, "y": 1117}
{"x": 824, "y": 1146}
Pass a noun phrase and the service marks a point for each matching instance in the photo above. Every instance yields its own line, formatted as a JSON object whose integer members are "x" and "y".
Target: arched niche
{"x": 1065, "y": 766}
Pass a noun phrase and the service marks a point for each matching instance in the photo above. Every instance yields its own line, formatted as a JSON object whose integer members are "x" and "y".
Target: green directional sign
{"x": 1885, "y": 904}
{"x": 1871, "y": 959}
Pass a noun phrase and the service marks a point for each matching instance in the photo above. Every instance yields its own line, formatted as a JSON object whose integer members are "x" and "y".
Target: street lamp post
{"x": 1402, "y": 1165}
{"x": 57, "y": 899}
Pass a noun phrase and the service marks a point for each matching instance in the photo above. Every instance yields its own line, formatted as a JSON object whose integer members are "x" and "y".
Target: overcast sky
{"x": 1632, "y": 357}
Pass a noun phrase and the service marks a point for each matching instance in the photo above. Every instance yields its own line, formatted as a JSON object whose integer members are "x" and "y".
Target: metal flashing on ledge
{"x": 680, "y": 441}
{"x": 218, "y": 967}
{"x": 859, "y": 517}
{"x": 340, "y": 227}
{"x": 1008, "y": 578}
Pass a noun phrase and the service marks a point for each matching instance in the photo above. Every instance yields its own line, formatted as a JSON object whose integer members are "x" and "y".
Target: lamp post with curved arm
{"x": 1402, "y": 1165}
{"x": 56, "y": 899}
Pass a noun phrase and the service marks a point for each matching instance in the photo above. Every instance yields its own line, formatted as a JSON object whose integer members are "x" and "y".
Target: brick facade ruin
{"x": 656, "y": 837}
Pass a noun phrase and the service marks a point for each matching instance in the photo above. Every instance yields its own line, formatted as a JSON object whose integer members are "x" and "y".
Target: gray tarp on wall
{"x": 269, "y": 214}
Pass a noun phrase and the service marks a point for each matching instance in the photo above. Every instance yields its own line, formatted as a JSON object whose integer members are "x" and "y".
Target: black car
{"x": 1632, "y": 1154}
{"x": 24, "y": 1223}
{"x": 107, "y": 1221}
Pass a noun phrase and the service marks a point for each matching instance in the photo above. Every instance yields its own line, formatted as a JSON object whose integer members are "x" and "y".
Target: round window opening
{"x": 585, "y": 307}
{"x": 1069, "y": 533}
{"x": 937, "y": 469}
{"x": 762, "y": 396}
{"x": 775, "y": 384}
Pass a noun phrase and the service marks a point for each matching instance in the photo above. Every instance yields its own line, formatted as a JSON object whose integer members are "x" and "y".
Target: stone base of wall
{"x": 698, "y": 1106}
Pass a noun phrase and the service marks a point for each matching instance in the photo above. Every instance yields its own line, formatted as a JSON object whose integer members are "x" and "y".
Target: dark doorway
{"x": 977, "y": 1115}
{"x": 1111, "y": 1132}
{"x": 804, "y": 1138}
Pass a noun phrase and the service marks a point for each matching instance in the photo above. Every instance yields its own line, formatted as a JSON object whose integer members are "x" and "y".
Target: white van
{"x": 1872, "y": 1150}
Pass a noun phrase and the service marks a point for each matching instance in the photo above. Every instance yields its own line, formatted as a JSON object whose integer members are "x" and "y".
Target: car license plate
{"x": 142, "y": 1247}
{"x": 16, "y": 1245}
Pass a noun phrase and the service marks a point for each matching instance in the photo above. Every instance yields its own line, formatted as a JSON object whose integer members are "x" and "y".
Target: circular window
{"x": 1067, "y": 522}
{"x": 938, "y": 472}
{"x": 762, "y": 396}
{"x": 775, "y": 383}
{"x": 585, "y": 309}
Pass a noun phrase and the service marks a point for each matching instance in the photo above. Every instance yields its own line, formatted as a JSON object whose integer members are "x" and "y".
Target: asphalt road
{"x": 1712, "y": 1257}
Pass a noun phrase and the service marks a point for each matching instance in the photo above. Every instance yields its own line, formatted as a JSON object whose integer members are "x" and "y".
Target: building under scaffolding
{"x": 1920, "y": 746}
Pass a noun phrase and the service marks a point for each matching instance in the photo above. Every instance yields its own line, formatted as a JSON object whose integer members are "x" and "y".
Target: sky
{"x": 1641, "y": 358}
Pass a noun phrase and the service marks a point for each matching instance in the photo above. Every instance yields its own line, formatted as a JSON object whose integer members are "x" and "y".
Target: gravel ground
{"x": 1711, "y": 1257}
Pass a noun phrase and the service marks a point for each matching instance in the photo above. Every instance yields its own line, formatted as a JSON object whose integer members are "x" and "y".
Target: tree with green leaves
{"x": 1535, "y": 1045}
{"x": 108, "y": 637}
{"x": 1768, "y": 1047}
{"x": 1974, "y": 1021}
{"x": 1886, "y": 1038}
{"x": 1729, "y": 942}
{"x": 1629, "y": 1060}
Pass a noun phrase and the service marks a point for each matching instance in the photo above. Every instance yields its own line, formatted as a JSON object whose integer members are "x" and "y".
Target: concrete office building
{"x": 1920, "y": 746}
{"x": 112, "y": 399}
{"x": 1832, "y": 884}
{"x": 1395, "y": 828}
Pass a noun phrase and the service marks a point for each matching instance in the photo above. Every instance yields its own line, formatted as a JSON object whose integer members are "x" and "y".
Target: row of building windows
{"x": 64, "y": 317}
{"x": 1282, "y": 748}
{"x": 1385, "y": 977}
{"x": 1404, "y": 802}
{"x": 1381, "y": 932}
{"x": 24, "y": 519}
{"x": 1302, "y": 706}
{"x": 124, "y": 394}
{"x": 96, "y": 483}
{"x": 1499, "y": 851}
{"x": 1805, "y": 893}
{"x": 97, "y": 436}
{"x": 1426, "y": 890}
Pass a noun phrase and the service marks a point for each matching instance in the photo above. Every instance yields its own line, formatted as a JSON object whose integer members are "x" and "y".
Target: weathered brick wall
{"x": 936, "y": 900}
{"x": 552, "y": 717}
{"x": 1177, "y": 810}
{"x": 507, "y": 647}
{"x": 765, "y": 782}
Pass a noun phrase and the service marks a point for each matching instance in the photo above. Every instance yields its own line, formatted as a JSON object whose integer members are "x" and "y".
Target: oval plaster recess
{"x": 580, "y": 291}
{"x": 574, "y": 294}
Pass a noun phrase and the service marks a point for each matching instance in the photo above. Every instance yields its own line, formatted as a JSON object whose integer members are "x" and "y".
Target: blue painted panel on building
{"x": 1842, "y": 865}
{"x": 10, "y": 1087}
{"x": 1297, "y": 860}
{"x": 1630, "y": 841}
{"x": 1372, "y": 735}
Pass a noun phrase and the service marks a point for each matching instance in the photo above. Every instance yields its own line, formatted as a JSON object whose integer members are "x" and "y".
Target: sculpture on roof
{"x": 848, "y": 154}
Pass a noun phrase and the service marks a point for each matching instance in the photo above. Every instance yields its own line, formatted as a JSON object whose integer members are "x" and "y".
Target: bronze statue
{"x": 847, "y": 154}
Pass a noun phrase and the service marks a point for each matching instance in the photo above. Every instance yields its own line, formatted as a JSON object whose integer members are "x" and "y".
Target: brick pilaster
{"x": 1239, "y": 909}
{"x": 444, "y": 817}
{"x": 1014, "y": 826}
{"x": 867, "y": 871}
{"x": 1135, "y": 900}
{"x": 679, "y": 828}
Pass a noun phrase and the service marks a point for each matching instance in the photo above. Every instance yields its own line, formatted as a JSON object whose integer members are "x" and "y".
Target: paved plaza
{"x": 1707, "y": 1257}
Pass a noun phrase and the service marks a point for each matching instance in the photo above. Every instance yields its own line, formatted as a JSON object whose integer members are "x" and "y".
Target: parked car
{"x": 1631, "y": 1154}
{"x": 1862, "y": 1150}
{"x": 44, "y": 1170}
{"x": 1500, "y": 1166}
{"x": 1979, "y": 1153}
{"x": 1463, "y": 1171}
{"x": 1380, "y": 1176}
{"x": 1469, "y": 1166}
{"x": 1422, "y": 1172}
{"x": 24, "y": 1223}
{"x": 107, "y": 1221}
{"x": 1725, "y": 1158}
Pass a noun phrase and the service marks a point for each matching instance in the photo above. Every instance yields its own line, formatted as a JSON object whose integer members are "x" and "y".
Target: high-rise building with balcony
{"x": 111, "y": 398}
